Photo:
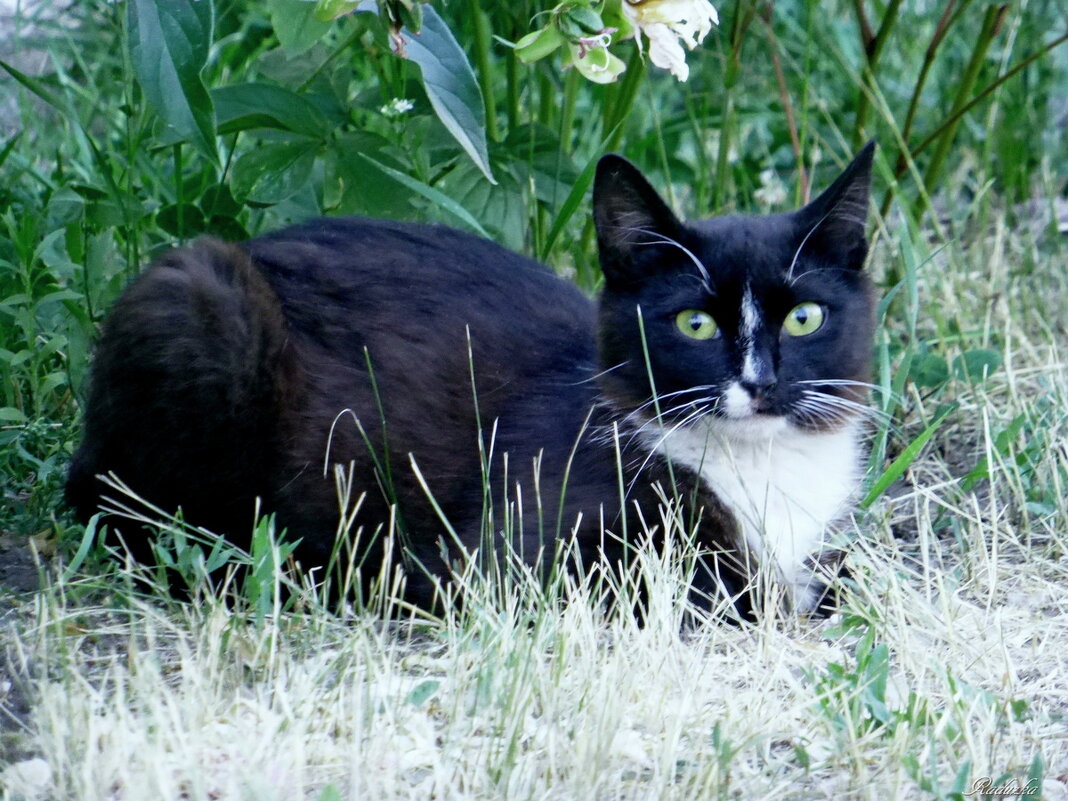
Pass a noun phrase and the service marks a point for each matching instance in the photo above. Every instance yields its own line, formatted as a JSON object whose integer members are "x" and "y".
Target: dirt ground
{"x": 20, "y": 575}
{"x": 20, "y": 571}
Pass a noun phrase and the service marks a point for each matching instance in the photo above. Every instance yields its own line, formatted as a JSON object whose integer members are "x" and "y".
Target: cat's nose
{"x": 759, "y": 388}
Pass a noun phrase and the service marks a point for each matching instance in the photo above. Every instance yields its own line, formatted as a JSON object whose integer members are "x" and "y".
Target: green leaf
{"x": 169, "y": 43}
{"x": 500, "y": 209}
{"x": 274, "y": 171}
{"x": 218, "y": 200}
{"x": 261, "y": 105}
{"x": 423, "y": 692}
{"x": 539, "y": 44}
{"x": 6, "y": 151}
{"x": 357, "y": 186}
{"x": 451, "y": 86}
{"x": 929, "y": 369}
{"x": 42, "y": 90}
{"x": 181, "y": 220}
{"x": 579, "y": 21}
{"x": 88, "y": 540}
{"x": 328, "y": 10}
{"x": 296, "y": 25}
{"x": 431, "y": 194}
{"x": 9, "y": 414}
{"x": 976, "y": 365}
{"x": 570, "y": 205}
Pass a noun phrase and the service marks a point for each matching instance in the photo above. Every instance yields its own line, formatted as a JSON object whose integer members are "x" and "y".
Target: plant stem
{"x": 952, "y": 119}
{"x": 956, "y": 115}
{"x": 784, "y": 97}
{"x": 546, "y": 98}
{"x": 619, "y": 102}
{"x": 995, "y": 15}
{"x": 179, "y": 191}
{"x": 944, "y": 24}
{"x": 567, "y": 117}
{"x": 740, "y": 22}
{"x": 485, "y": 68}
{"x": 511, "y": 73}
{"x": 873, "y": 50}
{"x": 947, "y": 20}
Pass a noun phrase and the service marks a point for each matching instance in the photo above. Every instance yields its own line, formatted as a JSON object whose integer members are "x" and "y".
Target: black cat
{"x": 463, "y": 381}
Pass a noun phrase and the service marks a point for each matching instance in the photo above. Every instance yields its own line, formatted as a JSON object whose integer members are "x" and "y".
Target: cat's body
{"x": 438, "y": 363}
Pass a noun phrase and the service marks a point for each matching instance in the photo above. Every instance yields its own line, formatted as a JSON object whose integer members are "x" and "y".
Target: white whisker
{"x": 661, "y": 239}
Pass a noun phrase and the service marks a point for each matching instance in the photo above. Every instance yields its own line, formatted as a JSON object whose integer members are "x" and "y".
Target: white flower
{"x": 772, "y": 191}
{"x": 668, "y": 23}
{"x": 397, "y": 106}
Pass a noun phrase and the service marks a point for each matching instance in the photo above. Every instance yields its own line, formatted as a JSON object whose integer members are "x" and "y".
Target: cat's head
{"x": 756, "y": 324}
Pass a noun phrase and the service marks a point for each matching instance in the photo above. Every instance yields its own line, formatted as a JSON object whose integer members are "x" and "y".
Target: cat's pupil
{"x": 801, "y": 315}
{"x": 696, "y": 321}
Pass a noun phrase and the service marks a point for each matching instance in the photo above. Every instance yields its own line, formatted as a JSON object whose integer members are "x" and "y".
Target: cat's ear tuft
{"x": 629, "y": 216}
{"x": 834, "y": 223}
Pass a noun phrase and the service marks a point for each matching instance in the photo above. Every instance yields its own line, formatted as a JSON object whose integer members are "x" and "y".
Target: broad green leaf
{"x": 451, "y": 86}
{"x": 169, "y": 43}
{"x": 296, "y": 25}
{"x": 976, "y": 365}
{"x": 261, "y": 105}
{"x": 218, "y": 200}
{"x": 9, "y": 414}
{"x": 431, "y": 194}
{"x": 181, "y": 220}
{"x": 273, "y": 172}
{"x": 500, "y": 209}
{"x": 929, "y": 369}
{"x": 354, "y": 185}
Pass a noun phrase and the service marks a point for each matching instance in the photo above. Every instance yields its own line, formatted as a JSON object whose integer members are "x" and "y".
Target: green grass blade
{"x": 904, "y": 459}
{"x": 570, "y": 206}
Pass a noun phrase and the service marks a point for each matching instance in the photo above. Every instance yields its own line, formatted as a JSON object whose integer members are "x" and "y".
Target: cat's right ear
{"x": 630, "y": 217}
{"x": 834, "y": 223}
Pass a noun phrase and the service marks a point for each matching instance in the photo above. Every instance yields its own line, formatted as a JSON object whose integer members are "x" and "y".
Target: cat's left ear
{"x": 630, "y": 217}
{"x": 833, "y": 224}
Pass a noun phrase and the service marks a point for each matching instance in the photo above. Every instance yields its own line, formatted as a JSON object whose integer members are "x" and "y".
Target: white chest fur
{"x": 784, "y": 486}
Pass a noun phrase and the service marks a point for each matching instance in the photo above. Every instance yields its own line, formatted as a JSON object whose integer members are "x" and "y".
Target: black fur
{"x": 225, "y": 372}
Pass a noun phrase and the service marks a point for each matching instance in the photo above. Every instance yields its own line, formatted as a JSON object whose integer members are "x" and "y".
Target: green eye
{"x": 696, "y": 324}
{"x": 804, "y": 319}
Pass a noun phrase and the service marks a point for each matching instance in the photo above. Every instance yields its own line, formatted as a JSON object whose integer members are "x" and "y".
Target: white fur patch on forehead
{"x": 747, "y": 334}
{"x": 750, "y": 315}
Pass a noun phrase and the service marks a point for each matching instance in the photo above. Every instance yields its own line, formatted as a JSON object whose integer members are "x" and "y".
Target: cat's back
{"x": 340, "y": 277}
